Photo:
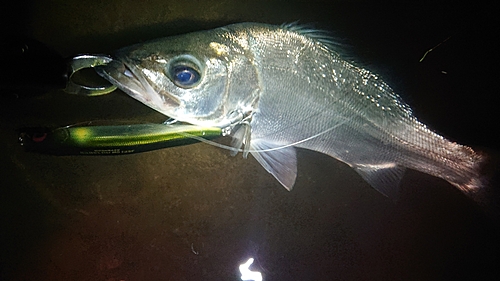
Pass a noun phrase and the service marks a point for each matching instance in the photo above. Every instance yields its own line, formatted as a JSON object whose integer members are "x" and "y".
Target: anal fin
{"x": 385, "y": 178}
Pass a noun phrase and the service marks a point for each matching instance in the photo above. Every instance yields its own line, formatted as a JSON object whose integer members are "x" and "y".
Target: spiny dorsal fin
{"x": 317, "y": 34}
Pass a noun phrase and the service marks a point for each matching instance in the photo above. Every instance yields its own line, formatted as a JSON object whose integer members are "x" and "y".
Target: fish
{"x": 276, "y": 88}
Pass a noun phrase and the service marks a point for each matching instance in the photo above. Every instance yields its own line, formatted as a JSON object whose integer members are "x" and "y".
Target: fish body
{"x": 274, "y": 88}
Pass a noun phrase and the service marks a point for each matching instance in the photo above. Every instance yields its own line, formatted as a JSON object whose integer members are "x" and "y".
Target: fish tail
{"x": 471, "y": 179}
{"x": 480, "y": 183}
{"x": 475, "y": 188}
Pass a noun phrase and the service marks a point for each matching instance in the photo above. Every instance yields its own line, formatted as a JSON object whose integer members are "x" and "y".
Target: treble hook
{"x": 35, "y": 68}
{"x": 80, "y": 62}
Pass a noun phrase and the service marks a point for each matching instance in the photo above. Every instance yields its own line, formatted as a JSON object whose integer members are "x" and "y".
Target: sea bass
{"x": 275, "y": 88}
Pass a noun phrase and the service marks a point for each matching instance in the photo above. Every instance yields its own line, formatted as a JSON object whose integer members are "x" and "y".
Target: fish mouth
{"x": 130, "y": 79}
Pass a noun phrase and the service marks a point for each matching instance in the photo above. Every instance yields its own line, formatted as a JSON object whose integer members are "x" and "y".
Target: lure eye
{"x": 184, "y": 76}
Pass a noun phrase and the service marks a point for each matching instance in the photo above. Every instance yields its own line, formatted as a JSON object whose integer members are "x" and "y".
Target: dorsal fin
{"x": 317, "y": 34}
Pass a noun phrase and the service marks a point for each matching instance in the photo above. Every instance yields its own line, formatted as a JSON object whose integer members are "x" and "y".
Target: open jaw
{"x": 130, "y": 79}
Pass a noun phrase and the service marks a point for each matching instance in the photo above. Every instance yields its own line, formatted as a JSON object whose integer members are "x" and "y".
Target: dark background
{"x": 144, "y": 217}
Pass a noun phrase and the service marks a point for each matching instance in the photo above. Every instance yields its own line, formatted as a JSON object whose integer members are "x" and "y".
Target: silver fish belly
{"x": 280, "y": 87}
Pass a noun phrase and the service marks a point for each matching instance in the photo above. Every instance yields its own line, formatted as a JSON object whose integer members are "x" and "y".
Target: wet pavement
{"x": 196, "y": 213}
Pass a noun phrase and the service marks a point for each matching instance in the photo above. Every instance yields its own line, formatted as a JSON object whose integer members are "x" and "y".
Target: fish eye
{"x": 184, "y": 71}
{"x": 184, "y": 76}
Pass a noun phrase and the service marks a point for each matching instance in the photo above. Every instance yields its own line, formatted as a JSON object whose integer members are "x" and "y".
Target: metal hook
{"x": 87, "y": 61}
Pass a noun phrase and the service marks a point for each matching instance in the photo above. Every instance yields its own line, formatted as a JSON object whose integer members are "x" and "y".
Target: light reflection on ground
{"x": 247, "y": 274}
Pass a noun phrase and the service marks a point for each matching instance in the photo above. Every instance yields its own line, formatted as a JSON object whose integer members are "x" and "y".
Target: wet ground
{"x": 196, "y": 213}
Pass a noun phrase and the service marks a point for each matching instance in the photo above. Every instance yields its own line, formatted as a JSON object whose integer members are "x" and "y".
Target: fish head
{"x": 199, "y": 78}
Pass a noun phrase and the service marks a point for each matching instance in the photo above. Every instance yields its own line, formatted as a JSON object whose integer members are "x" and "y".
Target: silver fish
{"x": 274, "y": 88}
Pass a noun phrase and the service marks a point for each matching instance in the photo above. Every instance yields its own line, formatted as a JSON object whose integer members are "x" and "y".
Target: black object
{"x": 30, "y": 68}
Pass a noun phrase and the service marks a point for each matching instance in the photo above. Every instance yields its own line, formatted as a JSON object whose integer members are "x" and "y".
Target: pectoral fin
{"x": 384, "y": 178}
{"x": 241, "y": 139}
{"x": 281, "y": 162}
